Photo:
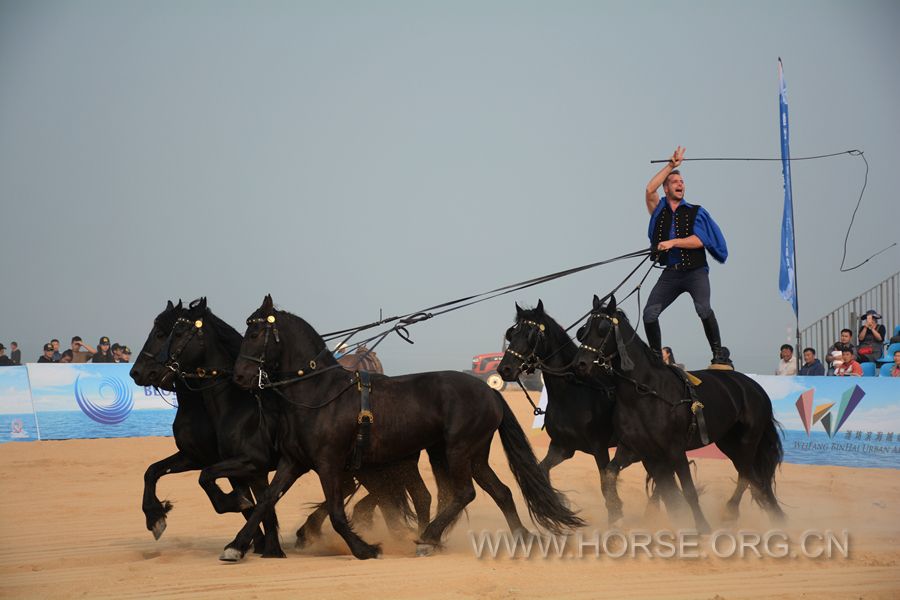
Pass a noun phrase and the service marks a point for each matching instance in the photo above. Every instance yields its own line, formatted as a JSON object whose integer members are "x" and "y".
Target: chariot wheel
{"x": 496, "y": 382}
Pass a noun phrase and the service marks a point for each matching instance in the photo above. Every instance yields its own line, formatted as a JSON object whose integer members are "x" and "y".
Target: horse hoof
{"x": 274, "y": 554}
{"x": 425, "y": 549}
{"x": 368, "y": 551}
{"x": 231, "y": 555}
{"x": 158, "y": 528}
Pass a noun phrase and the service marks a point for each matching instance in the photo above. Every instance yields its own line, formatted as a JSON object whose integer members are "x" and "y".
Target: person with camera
{"x": 871, "y": 337}
{"x": 81, "y": 352}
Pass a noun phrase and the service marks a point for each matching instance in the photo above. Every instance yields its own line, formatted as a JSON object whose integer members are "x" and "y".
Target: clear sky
{"x": 356, "y": 156}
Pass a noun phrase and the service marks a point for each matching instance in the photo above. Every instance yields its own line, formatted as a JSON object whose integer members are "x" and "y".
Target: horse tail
{"x": 547, "y": 506}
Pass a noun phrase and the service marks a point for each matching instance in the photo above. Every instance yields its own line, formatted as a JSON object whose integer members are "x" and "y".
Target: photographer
{"x": 81, "y": 352}
{"x": 871, "y": 337}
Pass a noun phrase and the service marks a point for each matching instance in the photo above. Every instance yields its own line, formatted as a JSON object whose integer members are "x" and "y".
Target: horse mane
{"x": 554, "y": 331}
{"x": 229, "y": 336}
{"x": 324, "y": 355}
{"x": 634, "y": 340}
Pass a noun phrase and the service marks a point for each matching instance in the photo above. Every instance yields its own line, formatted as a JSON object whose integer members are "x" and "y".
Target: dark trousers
{"x": 672, "y": 284}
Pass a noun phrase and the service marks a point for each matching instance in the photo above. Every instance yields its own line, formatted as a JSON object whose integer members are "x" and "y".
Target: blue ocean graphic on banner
{"x": 96, "y": 401}
{"x": 845, "y": 421}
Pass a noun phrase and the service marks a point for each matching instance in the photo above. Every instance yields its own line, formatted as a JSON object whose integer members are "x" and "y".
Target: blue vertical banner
{"x": 787, "y": 276}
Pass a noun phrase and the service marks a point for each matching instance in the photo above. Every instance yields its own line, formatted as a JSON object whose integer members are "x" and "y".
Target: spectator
{"x": 81, "y": 352}
{"x": 126, "y": 354}
{"x": 116, "y": 352}
{"x": 104, "y": 354}
{"x": 66, "y": 357}
{"x": 871, "y": 337}
{"x": 849, "y": 367}
{"x": 47, "y": 356}
{"x": 5, "y": 361}
{"x": 787, "y": 365}
{"x": 895, "y": 370}
{"x": 811, "y": 366}
{"x": 669, "y": 358}
{"x": 833, "y": 358}
{"x": 56, "y": 355}
{"x": 15, "y": 354}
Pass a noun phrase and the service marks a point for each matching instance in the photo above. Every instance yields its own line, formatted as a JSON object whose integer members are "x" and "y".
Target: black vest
{"x": 685, "y": 216}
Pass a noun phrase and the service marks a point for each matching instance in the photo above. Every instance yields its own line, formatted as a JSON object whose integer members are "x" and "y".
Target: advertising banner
{"x": 843, "y": 421}
{"x": 96, "y": 401}
{"x": 17, "y": 422}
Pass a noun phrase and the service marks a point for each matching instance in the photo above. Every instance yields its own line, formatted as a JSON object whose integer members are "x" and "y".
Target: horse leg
{"x": 271, "y": 545}
{"x": 683, "y": 470}
{"x": 364, "y": 511}
{"x": 285, "y": 476}
{"x": 733, "y": 506}
{"x": 437, "y": 457}
{"x": 418, "y": 491}
{"x": 462, "y": 493}
{"x": 556, "y": 454}
{"x": 609, "y": 478}
{"x": 234, "y": 501}
{"x": 664, "y": 478}
{"x": 487, "y": 480}
{"x": 332, "y": 480}
{"x": 311, "y": 530}
{"x": 154, "y": 510}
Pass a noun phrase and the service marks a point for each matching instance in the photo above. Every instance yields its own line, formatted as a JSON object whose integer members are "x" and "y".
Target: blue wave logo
{"x": 105, "y": 412}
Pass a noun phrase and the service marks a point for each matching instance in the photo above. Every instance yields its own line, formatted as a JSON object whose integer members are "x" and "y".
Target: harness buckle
{"x": 365, "y": 416}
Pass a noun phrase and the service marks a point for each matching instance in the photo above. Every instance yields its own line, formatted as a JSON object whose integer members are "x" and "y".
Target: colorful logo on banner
{"x": 103, "y": 412}
{"x": 849, "y": 401}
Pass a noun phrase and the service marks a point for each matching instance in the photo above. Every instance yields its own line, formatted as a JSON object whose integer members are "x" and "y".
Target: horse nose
{"x": 582, "y": 366}
{"x": 505, "y": 372}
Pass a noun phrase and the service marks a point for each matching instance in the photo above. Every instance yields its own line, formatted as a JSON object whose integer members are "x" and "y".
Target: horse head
{"x": 527, "y": 342}
{"x": 598, "y": 337}
{"x": 149, "y": 368}
{"x": 277, "y": 342}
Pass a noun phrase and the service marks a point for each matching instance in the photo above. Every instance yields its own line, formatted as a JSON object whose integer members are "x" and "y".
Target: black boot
{"x": 711, "y": 329}
{"x": 654, "y": 337}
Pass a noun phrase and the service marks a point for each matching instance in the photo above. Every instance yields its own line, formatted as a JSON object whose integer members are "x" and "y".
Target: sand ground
{"x": 72, "y": 527}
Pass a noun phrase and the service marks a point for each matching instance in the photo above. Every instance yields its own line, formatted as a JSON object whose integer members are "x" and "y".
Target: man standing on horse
{"x": 682, "y": 234}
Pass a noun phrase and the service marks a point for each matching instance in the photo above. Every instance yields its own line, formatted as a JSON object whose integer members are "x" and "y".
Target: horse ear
{"x": 202, "y": 304}
{"x": 267, "y": 303}
{"x": 178, "y": 306}
{"x": 540, "y": 306}
{"x": 518, "y": 310}
{"x": 169, "y": 305}
{"x": 596, "y": 302}
{"x": 611, "y": 307}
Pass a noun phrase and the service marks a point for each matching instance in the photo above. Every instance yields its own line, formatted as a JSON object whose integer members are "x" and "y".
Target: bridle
{"x": 264, "y": 380}
{"x": 531, "y": 360}
{"x": 604, "y": 361}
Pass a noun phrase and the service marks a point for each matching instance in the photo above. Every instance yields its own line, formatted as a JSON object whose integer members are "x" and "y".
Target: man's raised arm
{"x": 651, "y": 197}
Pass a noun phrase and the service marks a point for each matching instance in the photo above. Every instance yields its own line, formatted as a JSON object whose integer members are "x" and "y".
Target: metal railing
{"x": 884, "y": 297}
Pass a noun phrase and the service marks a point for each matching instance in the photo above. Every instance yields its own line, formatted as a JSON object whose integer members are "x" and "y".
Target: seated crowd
{"x": 844, "y": 358}
{"x": 78, "y": 352}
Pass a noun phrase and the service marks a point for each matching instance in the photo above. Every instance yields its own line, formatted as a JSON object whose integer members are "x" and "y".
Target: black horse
{"x": 655, "y": 414}
{"x": 579, "y": 416}
{"x": 193, "y": 430}
{"x": 452, "y": 415}
{"x": 203, "y": 349}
